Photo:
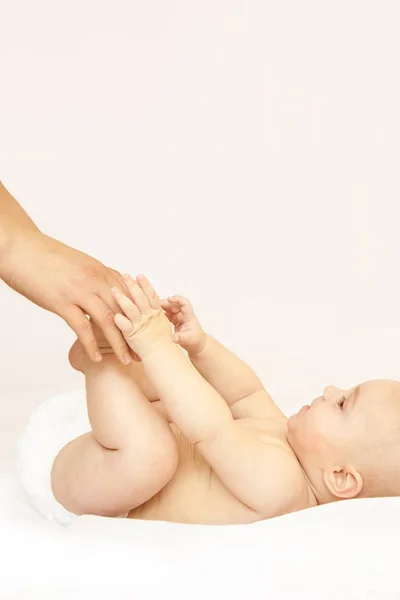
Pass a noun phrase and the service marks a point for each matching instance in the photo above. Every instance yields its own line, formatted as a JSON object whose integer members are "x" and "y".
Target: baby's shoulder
{"x": 289, "y": 488}
{"x": 272, "y": 429}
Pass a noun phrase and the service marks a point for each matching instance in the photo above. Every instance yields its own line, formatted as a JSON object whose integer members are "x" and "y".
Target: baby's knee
{"x": 165, "y": 458}
{"x": 156, "y": 462}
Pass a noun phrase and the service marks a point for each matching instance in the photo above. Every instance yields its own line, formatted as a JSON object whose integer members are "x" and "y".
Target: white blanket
{"x": 347, "y": 550}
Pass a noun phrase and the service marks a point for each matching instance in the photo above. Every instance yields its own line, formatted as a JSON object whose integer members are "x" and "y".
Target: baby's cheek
{"x": 314, "y": 437}
{"x": 315, "y": 442}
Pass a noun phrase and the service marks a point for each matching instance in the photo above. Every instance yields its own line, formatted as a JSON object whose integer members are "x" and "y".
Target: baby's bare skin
{"x": 215, "y": 449}
{"x": 195, "y": 494}
{"x": 258, "y": 477}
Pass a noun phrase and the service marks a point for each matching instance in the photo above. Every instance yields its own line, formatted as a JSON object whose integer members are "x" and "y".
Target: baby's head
{"x": 348, "y": 441}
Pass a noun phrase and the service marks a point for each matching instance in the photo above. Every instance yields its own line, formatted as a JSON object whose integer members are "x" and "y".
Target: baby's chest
{"x": 195, "y": 494}
{"x": 272, "y": 430}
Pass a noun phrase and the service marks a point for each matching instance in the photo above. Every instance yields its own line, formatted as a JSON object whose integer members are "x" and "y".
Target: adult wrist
{"x": 14, "y": 242}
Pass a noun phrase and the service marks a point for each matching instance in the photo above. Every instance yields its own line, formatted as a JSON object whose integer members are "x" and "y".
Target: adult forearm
{"x": 227, "y": 373}
{"x": 14, "y": 225}
{"x": 197, "y": 409}
{"x": 12, "y": 215}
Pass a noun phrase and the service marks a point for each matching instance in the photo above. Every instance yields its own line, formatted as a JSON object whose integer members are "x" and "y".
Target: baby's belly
{"x": 194, "y": 495}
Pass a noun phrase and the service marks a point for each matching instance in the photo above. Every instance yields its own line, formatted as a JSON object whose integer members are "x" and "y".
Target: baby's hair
{"x": 380, "y": 466}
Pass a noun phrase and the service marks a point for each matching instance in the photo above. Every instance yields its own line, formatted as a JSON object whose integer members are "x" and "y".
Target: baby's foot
{"x": 76, "y": 356}
{"x": 101, "y": 339}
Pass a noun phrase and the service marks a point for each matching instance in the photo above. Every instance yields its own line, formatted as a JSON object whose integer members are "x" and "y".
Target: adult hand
{"x": 71, "y": 284}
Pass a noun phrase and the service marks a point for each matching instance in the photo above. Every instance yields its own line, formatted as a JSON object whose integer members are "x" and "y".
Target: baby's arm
{"x": 237, "y": 383}
{"x": 197, "y": 409}
{"x": 262, "y": 474}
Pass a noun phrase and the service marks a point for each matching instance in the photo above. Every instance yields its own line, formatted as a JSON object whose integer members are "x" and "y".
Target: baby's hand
{"x": 142, "y": 322}
{"x": 188, "y": 331}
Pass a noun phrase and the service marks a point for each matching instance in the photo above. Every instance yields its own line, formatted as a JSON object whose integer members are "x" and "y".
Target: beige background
{"x": 245, "y": 154}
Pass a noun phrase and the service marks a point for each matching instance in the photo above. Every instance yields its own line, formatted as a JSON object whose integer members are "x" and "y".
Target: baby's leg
{"x": 135, "y": 369}
{"x": 128, "y": 457}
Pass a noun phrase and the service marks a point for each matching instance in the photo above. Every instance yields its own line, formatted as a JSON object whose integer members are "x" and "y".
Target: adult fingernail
{"x": 127, "y": 358}
{"x": 98, "y": 357}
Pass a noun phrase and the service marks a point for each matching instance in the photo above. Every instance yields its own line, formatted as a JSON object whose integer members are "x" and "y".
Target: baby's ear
{"x": 343, "y": 482}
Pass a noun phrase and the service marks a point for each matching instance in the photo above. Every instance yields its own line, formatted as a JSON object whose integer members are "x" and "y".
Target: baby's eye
{"x": 341, "y": 401}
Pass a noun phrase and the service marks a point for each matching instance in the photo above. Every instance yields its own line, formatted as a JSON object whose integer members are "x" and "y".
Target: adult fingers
{"x": 79, "y": 323}
{"x": 103, "y": 316}
{"x": 112, "y": 279}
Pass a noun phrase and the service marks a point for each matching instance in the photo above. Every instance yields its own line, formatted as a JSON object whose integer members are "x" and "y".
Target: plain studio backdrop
{"x": 242, "y": 153}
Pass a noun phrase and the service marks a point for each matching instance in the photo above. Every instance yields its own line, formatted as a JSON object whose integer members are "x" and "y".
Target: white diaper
{"x": 57, "y": 421}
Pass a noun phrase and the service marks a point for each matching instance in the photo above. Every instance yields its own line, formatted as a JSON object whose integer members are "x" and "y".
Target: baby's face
{"x": 337, "y": 424}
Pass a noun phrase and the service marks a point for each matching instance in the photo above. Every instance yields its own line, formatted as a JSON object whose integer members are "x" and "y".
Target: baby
{"x": 194, "y": 437}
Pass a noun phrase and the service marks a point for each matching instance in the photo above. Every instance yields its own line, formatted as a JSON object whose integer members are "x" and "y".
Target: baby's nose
{"x": 331, "y": 392}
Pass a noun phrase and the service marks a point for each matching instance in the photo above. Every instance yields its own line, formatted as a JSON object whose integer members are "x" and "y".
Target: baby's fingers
{"x": 148, "y": 289}
{"x": 181, "y": 300}
{"x": 123, "y": 324}
{"x": 128, "y": 307}
{"x": 183, "y": 303}
{"x": 171, "y": 309}
{"x": 177, "y": 303}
